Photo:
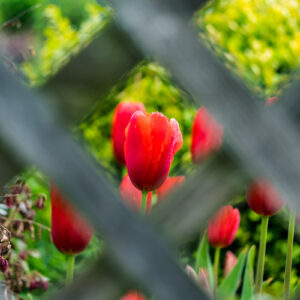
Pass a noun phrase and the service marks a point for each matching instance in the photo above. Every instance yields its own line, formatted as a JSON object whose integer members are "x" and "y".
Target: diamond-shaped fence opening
{"x": 259, "y": 141}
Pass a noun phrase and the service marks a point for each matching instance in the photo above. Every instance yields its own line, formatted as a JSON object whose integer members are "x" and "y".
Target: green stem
{"x": 289, "y": 255}
{"x": 144, "y": 202}
{"x": 70, "y": 268}
{"x": 216, "y": 269}
{"x": 198, "y": 257}
{"x": 261, "y": 254}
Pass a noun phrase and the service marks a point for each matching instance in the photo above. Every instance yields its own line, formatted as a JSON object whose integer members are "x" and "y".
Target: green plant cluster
{"x": 258, "y": 39}
{"x": 61, "y": 40}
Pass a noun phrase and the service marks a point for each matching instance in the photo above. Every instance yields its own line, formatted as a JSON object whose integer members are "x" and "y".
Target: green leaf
{"x": 203, "y": 260}
{"x": 230, "y": 284}
{"x": 248, "y": 282}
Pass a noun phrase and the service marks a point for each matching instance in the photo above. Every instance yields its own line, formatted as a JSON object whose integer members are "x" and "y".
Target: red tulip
{"x": 271, "y": 100}
{"x": 121, "y": 118}
{"x": 207, "y": 135}
{"x": 132, "y": 196}
{"x": 151, "y": 143}
{"x": 132, "y": 295}
{"x": 223, "y": 226}
{"x": 230, "y": 262}
{"x": 263, "y": 198}
{"x": 70, "y": 232}
{"x": 168, "y": 186}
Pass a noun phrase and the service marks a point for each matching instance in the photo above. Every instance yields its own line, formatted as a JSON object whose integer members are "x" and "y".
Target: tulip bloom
{"x": 168, "y": 186}
{"x": 207, "y": 135}
{"x": 263, "y": 198}
{"x": 151, "y": 143}
{"x": 70, "y": 232}
{"x": 271, "y": 100}
{"x": 121, "y": 118}
{"x": 132, "y": 295}
{"x": 230, "y": 262}
{"x": 133, "y": 196}
{"x": 223, "y": 226}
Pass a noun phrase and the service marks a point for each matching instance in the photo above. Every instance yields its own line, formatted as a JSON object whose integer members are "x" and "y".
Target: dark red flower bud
{"x": 133, "y": 196}
{"x": 23, "y": 255}
{"x": 168, "y": 186}
{"x": 9, "y": 200}
{"x": 207, "y": 135}
{"x": 151, "y": 143}
{"x": 121, "y": 118}
{"x": 223, "y": 226}
{"x": 34, "y": 284}
{"x": 38, "y": 283}
{"x": 3, "y": 264}
{"x": 70, "y": 232}
{"x": 263, "y": 198}
{"x": 40, "y": 202}
{"x": 132, "y": 295}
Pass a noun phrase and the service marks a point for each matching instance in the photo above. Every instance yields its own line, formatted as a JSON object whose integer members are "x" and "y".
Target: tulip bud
{"x": 3, "y": 264}
{"x": 70, "y": 232}
{"x": 191, "y": 273}
{"x": 132, "y": 295}
{"x": 263, "y": 198}
{"x": 204, "y": 280}
{"x": 201, "y": 278}
{"x": 207, "y": 135}
{"x": 121, "y": 118}
{"x": 132, "y": 196}
{"x": 151, "y": 143}
{"x": 223, "y": 226}
{"x": 168, "y": 186}
{"x": 230, "y": 262}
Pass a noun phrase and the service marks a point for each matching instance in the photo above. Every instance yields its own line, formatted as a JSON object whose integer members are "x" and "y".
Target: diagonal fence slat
{"x": 34, "y": 136}
{"x": 264, "y": 141}
{"x": 185, "y": 214}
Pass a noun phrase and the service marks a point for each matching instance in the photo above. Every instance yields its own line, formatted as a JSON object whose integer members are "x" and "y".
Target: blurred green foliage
{"x": 258, "y": 39}
{"x": 10, "y": 9}
{"x": 61, "y": 40}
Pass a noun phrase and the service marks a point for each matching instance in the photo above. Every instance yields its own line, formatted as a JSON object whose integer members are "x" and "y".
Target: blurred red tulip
{"x": 70, "y": 232}
{"x": 132, "y": 295}
{"x": 223, "y": 226}
{"x": 207, "y": 135}
{"x": 271, "y": 100}
{"x": 168, "y": 186}
{"x": 263, "y": 198}
{"x": 133, "y": 196}
{"x": 230, "y": 262}
{"x": 121, "y": 118}
{"x": 151, "y": 143}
